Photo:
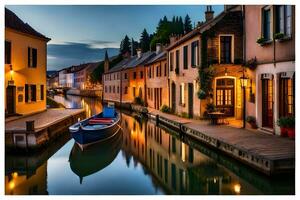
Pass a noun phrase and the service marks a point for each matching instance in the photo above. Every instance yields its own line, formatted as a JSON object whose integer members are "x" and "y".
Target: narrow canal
{"x": 142, "y": 159}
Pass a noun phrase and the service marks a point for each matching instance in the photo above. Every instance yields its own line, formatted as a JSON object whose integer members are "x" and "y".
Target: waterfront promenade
{"x": 42, "y": 128}
{"x": 265, "y": 152}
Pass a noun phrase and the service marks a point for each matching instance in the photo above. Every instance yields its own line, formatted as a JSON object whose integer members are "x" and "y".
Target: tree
{"x": 187, "y": 24}
{"x": 145, "y": 41}
{"x": 125, "y": 46}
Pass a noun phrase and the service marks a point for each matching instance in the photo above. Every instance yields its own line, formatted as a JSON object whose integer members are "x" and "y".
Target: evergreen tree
{"x": 187, "y": 24}
{"x": 145, "y": 41}
{"x": 180, "y": 26}
{"x": 125, "y": 46}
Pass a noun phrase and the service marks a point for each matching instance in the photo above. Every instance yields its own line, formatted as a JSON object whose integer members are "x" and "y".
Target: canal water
{"x": 143, "y": 158}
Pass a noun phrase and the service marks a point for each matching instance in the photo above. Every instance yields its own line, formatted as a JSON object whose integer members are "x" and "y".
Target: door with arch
{"x": 225, "y": 101}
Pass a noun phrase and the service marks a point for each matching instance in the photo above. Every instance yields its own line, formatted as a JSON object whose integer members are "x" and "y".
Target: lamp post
{"x": 244, "y": 81}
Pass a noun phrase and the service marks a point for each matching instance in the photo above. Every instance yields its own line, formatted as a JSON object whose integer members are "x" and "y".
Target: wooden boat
{"x": 96, "y": 128}
{"x": 96, "y": 157}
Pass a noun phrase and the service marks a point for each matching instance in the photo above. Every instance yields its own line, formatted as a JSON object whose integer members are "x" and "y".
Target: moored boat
{"x": 97, "y": 128}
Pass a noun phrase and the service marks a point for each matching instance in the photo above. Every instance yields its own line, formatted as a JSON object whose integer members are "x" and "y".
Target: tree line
{"x": 164, "y": 30}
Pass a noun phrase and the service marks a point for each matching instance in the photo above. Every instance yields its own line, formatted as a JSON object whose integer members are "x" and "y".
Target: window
{"x": 181, "y": 93}
{"x": 148, "y": 93}
{"x": 225, "y": 51}
{"x": 126, "y": 90}
{"x": 134, "y": 75}
{"x": 109, "y": 89}
{"x": 118, "y": 89}
{"x": 185, "y": 57}
{"x": 266, "y": 23}
{"x": 30, "y": 93}
{"x": 125, "y": 75}
{"x": 133, "y": 91}
{"x": 42, "y": 92}
{"x": 157, "y": 69}
{"x": 177, "y": 60}
{"x": 114, "y": 89}
{"x": 7, "y": 52}
{"x": 171, "y": 61}
{"x": 150, "y": 72}
{"x": 194, "y": 54}
{"x": 105, "y": 88}
{"x": 286, "y": 97}
{"x": 32, "y": 57}
{"x": 284, "y": 19}
{"x": 141, "y": 74}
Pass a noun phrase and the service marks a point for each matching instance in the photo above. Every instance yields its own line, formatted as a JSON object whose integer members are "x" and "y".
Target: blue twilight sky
{"x": 80, "y": 33}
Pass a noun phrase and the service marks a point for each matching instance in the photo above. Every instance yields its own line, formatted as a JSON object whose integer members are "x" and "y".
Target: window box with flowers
{"x": 280, "y": 37}
{"x": 262, "y": 41}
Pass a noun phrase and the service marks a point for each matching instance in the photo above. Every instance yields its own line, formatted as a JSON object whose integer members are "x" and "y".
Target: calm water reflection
{"x": 141, "y": 159}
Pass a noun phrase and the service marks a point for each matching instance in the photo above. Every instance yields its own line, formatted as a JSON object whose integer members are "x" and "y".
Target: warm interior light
{"x": 11, "y": 185}
{"x": 244, "y": 81}
{"x": 237, "y": 188}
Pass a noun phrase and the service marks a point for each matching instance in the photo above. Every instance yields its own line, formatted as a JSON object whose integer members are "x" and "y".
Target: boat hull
{"x": 86, "y": 137}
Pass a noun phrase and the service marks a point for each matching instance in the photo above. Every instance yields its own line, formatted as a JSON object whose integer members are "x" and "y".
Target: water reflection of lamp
{"x": 11, "y": 184}
{"x": 237, "y": 188}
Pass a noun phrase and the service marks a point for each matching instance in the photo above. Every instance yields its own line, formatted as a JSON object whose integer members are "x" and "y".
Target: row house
{"x": 126, "y": 81}
{"x": 270, "y": 42}
{"x": 218, "y": 42}
{"x": 157, "y": 80}
{"x": 25, "y": 67}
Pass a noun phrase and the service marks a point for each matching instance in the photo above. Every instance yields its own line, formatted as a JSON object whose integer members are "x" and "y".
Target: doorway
{"x": 173, "y": 91}
{"x": 225, "y": 96}
{"x": 190, "y": 99}
{"x": 11, "y": 100}
{"x": 267, "y": 103}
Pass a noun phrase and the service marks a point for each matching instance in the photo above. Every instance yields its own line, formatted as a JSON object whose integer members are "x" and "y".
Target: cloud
{"x": 64, "y": 54}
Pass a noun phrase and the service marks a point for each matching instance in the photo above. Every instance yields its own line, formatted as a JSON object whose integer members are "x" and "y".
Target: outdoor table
{"x": 215, "y": 116}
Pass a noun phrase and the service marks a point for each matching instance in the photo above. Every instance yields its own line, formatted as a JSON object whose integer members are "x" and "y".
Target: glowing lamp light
{"x": 237, "y": 188}
{"x": 15, "y": 174}
{"x": 244, "y": 81}
{"x": 11, "y": 185}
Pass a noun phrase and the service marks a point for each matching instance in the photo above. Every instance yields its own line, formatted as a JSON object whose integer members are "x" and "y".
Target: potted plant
{"x": 261, "y": 41}
{"x": 278, "y": 36}
{"x": 252, "y": 121}
{"x": 201, "y": 94}
{"x": 210, "y": 107}
{"x": 291, "y": 126}
{"x": 282, "y": 123}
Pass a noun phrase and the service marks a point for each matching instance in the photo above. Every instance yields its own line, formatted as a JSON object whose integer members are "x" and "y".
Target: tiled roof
{"x": 158, "y": 57}
{"x": 14, "y": 22}
{"x": 133, "y": 61}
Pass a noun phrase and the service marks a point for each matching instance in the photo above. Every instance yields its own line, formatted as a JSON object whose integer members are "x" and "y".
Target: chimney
{"x": 158, "y": 48}
{"x": 139, "y": 52}
{"x": 209, "y": 14}
{"x": 173, "y": 39}
{"x": 106, "y": 63}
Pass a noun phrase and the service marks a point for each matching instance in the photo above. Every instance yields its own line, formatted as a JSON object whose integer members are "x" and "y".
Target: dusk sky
{"x": 78, "y": 33}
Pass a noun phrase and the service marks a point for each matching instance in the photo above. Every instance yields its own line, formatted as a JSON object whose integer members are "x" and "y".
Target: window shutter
{"x": 28, "y": 56}
{"x": 26, "y": 92}
{"x": 193, "y": 54}
{"x": 33, "y": 90}
{"x": 34, "y": 57}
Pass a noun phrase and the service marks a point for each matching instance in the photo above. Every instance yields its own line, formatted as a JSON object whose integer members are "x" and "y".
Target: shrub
{"x": 184, "y": 115}
{"x": 251, "y": 119}
{"x": 165, "y": 109}
{"x": 210, "y": 107}
{"x": 139, "y": 101}
{"x": 286, "y": 122}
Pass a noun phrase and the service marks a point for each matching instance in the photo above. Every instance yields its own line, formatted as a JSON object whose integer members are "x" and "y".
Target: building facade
{"x": 25, "y": 67}
{"x": 157, "y": 87}
{"x": 274, "y": 74}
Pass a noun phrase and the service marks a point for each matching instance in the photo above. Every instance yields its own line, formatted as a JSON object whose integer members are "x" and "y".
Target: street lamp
{"x": 244, "y": 81}
{"x": 11, "y": 72}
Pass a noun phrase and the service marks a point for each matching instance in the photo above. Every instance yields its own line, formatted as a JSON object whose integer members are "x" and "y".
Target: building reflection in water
{"x": 174, "y": 165}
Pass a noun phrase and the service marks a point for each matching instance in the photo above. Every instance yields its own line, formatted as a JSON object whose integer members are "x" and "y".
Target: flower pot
{"x": 253, "y": 125}
{"x": 291, "y": 132}
{"x": 283, "y": 132}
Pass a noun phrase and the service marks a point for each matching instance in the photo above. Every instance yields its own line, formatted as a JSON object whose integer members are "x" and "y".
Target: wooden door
{"x": 173, "y": 91}
{"x": 225, "y": 96}
{"x": 267, "y": 103}
{"x": 11, "y": 99}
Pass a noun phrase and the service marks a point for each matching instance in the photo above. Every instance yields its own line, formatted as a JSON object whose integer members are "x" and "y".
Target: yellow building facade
{"x": 25, "y": 67}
